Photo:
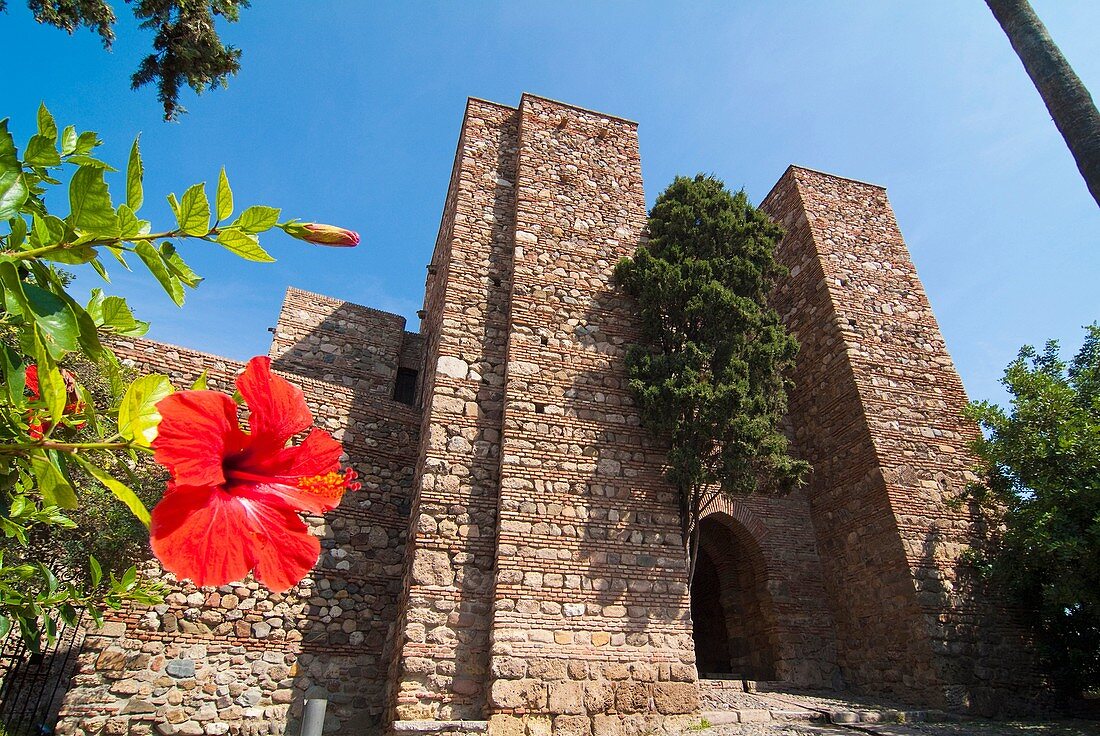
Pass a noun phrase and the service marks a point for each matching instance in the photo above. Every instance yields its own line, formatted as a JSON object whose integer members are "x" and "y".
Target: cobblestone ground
{"x": 965, "y": 728}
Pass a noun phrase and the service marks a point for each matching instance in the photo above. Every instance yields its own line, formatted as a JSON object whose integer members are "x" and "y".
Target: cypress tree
{"x": 709, "y": 373}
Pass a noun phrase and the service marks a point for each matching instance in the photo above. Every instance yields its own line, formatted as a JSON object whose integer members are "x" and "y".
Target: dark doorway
{"x": 712, "y": 652}
{"x": 732, "y": 620}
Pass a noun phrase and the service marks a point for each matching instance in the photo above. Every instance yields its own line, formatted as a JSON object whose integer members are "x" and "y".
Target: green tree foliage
{"x": 1041, "y": 462}
{"x": 186, "y": 46}
{"x": 709, "y": 372}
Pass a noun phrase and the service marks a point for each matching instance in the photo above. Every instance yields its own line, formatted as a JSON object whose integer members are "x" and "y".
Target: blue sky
{"x": 348, "y": 112}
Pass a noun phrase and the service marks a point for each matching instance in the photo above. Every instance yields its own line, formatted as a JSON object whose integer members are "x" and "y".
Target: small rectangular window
{"x": 404, "y": 389}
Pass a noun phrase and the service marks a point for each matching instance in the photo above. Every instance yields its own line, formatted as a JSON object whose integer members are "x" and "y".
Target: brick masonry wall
{"x": 591, "y": 631}
{"x": 441, "y": 668}
{"x": 238, "y": 659}
{"x": 877, "y": 410}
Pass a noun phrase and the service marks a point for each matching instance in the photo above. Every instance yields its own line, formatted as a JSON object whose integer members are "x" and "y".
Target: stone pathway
{"x": 967, "y": 728}
{"x": 728, "y": 710}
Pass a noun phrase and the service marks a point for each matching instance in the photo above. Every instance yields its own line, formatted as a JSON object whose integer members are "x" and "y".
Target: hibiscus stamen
{"x": 329, "y": 484}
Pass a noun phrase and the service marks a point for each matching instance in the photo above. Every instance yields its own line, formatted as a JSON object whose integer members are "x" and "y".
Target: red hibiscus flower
{"x": 233, "y": 498}
{"x": 37, "y": 426}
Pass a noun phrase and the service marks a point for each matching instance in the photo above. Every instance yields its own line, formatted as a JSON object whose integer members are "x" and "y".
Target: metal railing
{"x": 33, "y": 684}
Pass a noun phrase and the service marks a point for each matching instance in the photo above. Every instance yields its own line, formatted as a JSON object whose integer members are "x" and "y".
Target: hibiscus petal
{"x": 285, "y": 550}
{"x": 277, "y": 409}
{"x": 203, "y": 534}
{"x": 307, "y": 476}
{"x": 197, "y": 430}
{"x": 317, "y": 454}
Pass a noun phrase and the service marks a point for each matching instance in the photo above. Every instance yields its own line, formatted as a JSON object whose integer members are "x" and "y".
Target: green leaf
{"x": 18, "y": 233}
{"x": 5, "y": 626}
{"x": 116, "y": 316}
{"x": 156, "y": 265}
{"x": 73, "y": 256}
{"x": 135, "y": 173}
{"x": 47, "y": 230}
{"x": 244, "y": 244}
{"x": 96, "y": 571}
{"x": 194, "y": 214}
{"x": 89, "y": 415}
{"x": 86, "y": 142}
{"x": 225, "y": 197}
{"x": 258, "y": 218}
{"x": 98, "y": 266}
{"x": 50, "y": 314}
{"x": 13, "y": 187}
{"x": 42, "y": 152}
{"x": 128, "y": 223}
{"x": 52, "y": 483}
{"x": 117, "y": 254}
{"x": 137, "y": 415}
{"x": 68, "y": 140}
{"x": 60, "y": 329}
{"x": 51, "y": 386}
{"x": 95, "y": 305}
{"x": 112, "y": 372}
{"x": 200, "y": 383}
{"x": 178, "y": 267}
{"x": 174, "y": 204}
{"x": 47, "y": 128}
{"x": 11, "y": 365}
{"x": 87, "y": 336}
{"x": 15, "y": 302}
{"x": 90, "y": 203}
{"x": 121, "y": 491}
{"x": 95, "y": 163}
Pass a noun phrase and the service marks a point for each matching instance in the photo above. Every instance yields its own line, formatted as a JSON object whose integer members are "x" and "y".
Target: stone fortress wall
{"x": 238, "y": 658}
{"x": 513, "y": 562}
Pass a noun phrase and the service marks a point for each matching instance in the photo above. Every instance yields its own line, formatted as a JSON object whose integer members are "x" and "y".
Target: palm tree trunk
{"x": 1069, "y": 103}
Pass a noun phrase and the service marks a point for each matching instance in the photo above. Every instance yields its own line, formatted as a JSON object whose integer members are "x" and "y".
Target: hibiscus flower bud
{"x": 314, "y": 232}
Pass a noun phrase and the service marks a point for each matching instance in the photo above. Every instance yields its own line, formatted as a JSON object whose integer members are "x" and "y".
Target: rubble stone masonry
{"x": 513, "y": 562}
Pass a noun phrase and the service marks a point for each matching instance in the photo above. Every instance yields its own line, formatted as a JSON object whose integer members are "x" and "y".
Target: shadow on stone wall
{"x": 347, "y": 619}
{"x": 630, "y": 547}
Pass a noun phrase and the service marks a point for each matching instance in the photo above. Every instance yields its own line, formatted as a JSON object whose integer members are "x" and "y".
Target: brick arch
{"x": 737, "y": 511}
{"x": 734, "y": 621}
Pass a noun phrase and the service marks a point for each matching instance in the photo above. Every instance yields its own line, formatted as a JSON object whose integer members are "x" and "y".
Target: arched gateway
{"x": 733, "y": 619}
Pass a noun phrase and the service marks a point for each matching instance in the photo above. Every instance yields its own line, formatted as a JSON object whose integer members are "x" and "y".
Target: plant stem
{"x": 24, "y": 255}
{"x": 72, "y": 447}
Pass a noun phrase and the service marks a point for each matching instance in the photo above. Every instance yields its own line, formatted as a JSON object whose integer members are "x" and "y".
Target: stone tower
{"x": 513, "y": 562}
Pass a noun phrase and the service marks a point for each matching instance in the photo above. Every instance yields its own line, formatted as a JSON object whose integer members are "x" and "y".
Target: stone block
{"x": 671, "y": 698}
{"x": 566, "y": 698}
{"x": 539, "y": 726}
{"x": 604, "y": 725}
{"x": 632, "y": 697}
{"x": 599, "y": 696}
{"x": 511, "y": 694}
{"x": 502, "y": 724}
{"x": 432, "y": 567}
{"x": 509, "y": 668}
{"x": 180, "y": 668}
{"x": 572, "y": 726}
{"x": 547, "y": 668}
